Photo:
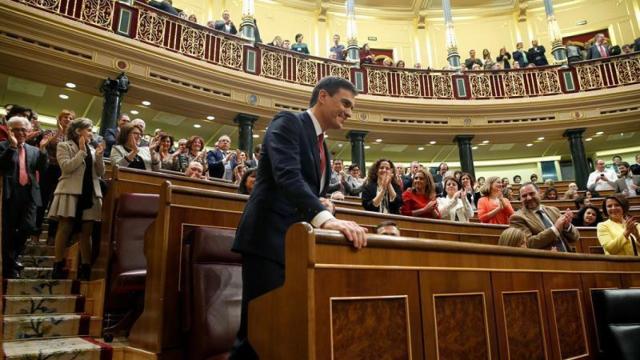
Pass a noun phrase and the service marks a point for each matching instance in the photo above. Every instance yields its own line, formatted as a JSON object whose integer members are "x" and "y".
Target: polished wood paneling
{"x": 370, "y": 328}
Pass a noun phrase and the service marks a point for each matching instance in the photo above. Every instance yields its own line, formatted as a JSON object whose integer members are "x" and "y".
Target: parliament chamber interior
{"x": 326, "y": 179}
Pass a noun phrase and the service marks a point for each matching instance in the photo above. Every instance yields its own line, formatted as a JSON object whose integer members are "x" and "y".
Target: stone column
{"x": 245, "y": 132}
{"x": 112, "y": 92}
{"x": 578, "y": 156}
{"x": 353, "y": 52}
{"x": 357, "y": 148}
{"x": 557, "y": 49}
{"x": 452, "y": 47}
{"x": 248, "y": 25}
{"x": 466, "y": 154}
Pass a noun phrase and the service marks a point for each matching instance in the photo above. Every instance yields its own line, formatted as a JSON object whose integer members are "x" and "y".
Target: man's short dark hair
{"x": 530, "y": 183}
{"x": 616, "y": 156}
{"x": 625, "y": 164}
{"x": 579, "y": 201}
{"x": 353, "y": 166}
{"x": 331, "y": 84}
{"x": 386, "y": 223}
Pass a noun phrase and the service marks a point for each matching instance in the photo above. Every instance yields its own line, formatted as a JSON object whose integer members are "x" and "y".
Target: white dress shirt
{"x": 601, "y": 185}
{"x": 325, "y": 215}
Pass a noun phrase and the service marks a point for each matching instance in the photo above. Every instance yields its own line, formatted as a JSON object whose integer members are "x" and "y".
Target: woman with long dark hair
{"x": 381, "y": 193}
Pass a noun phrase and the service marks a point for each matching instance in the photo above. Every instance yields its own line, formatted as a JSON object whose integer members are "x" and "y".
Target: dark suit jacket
{"x": 287, "y": 186}
{"x": 539, "y": 237}
{"x": 520, "y": 58}
{"x": 636, "y": 44}
{"x": 36, "y": 161}
{"x": 536, "y": 56}
{"x": 621, "y": 185}
{"x": 110, "y": 137}
{"x": 594, "y": 53}
{"x": 219, "y": 25}
{"x": 369, "y": 191}
{"x": 215, "y": 164}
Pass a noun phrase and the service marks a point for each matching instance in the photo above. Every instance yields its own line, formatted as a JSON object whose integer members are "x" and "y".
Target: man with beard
{"x": 545, "y": 226}
{"x": 626, "y": 184}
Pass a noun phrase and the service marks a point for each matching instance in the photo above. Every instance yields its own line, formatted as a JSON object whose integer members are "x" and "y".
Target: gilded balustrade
{"x": 154, "y": 27}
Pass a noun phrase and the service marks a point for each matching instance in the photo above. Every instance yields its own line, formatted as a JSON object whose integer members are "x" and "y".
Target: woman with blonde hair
{"x": 420, "y": 199}
{"x": 493, "y": 208}
{"x": 513, "y": 237}
{"x": 77, "y": 201}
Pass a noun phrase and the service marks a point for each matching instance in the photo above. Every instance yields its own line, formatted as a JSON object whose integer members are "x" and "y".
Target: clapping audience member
{"x": 77, "y": 202}
{"x": 238, "y": 173}
{"x": 195, "y": 170}
{"x": 550, "y": 194}
{"x": 142, "y": 125}
{"x": 513, "y": 237}
{"x": 299, "y": 46}
{"x": 337, "y": 49}
{"x": 520, "y": 56}
{"x": 127, "y": 152}
{"x": 572, "y": 192}
{"x": 626, "y": 184}
{"x": 454, "y": 205}
{"x": 354, "y": 180}
{"x": 620, "y": 235}
{"x": 19, "y": 165}
{"x": 601, "y": 179}
{"x": 338, "y": 180}
{"x": 487, "y": 60}
{"x": 162, "y": 146}
{"x": 468, "y": 187}
{"x": 479, "y": 184}
{"x": 470, "y": 62}
{"x": 545, "y": 226}
{"x": 195, "y": 152}
{"x": 248, "y": 180}
{"x": 380, "y": 193}
{"x": 111, "y": 134}
{"x": 226, "y": 25}
{"x": 493, "y": 208}
{"x": 366, "y": 55}
{"x": 220, "y": 159}
{"x": 588, "y": 216}
{"x": 180, "y": 162}
{"x": 388, "y": 228}
{"x": 504, "y": 58}
{"x": 420, "y": 200}
{"x": 599, "y": 49}
{"x": 536, "y": 54}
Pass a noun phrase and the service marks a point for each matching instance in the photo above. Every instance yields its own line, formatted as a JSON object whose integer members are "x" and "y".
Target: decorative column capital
{"x": 357, "y": 135}
{"x": 574, "y": 133}
{"x": 463, "y": 139}
{"x": 245, "y": 119}
{"x": 115, "y": 87}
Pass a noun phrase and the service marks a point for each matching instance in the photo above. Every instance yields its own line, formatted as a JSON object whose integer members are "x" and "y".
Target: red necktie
{"x": 323, "y": 158}
{"x": 23, "y": 177}
{"x": 603, "y": 53}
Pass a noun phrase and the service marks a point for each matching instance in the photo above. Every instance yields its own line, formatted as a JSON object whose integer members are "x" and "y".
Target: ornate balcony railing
{"x": 151, "y": 26}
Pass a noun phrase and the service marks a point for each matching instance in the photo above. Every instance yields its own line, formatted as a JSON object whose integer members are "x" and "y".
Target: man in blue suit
{"x": 599, "y": 49}
{"x": 520, "y": 56}
{"x": 293, "y": 174}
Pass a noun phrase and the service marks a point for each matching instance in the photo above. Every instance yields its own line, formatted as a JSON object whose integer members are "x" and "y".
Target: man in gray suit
{"x": 545, "y": 226}
{"x": 599, "y": 49}
{"x": 627, "y": 184}
{"x": 19, "y": 163}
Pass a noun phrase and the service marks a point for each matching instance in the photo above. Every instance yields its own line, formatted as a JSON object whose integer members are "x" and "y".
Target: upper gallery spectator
{"x": 299, "y": 46}
{"x": 468, "y": 187}
{"x": 468, "y": 63}
{"x": 545, "y": 226}
{"x": 366, "y": 55}
{"x": 164, "y": 5}
{"x": 588, "y": 216}
{"x": 574, "y": 51}
{"x": 337, "y": 48}
{"x": 338, "y": 180}
{"x": 111, "y": 134}
{"x": 504, "y": 58}
{"x": 195, "y": 170}
{"x": 226, "y": 25}
{"x": 620, "y": 235}
{"x": 517, "y": 179}
{"x": 454, "y": 205}
{"x": 77, "y": 202}
{"x": 571, "y": 193}
{"x": 599, "y": 49}
{"x": 247, "y": 181}
{"x": 286, "y": 44}
{"x": 193, "y": 18}
{"x": 220, "y": 159}
{"x": 277, "y": 41}
{"x": 635, "y": 168}
{"x": 380, "y": 193}
{"x": 493, "y": 208}
{"x": 520, "y": 56}
{"x": 19, "y": 163}
{"x": 420, "y": 200}
{"x": 536, "y": 54}
{"x": 487, "y": 60}
{"x": 601, "y": 179}
{"x": 627, "y": 184}
{"x": 513, "y": 237}
{"x": 388, "y": 228}
{"x": 354, "y": 180}
{"x": 626, "y": 49}
{"x": 407, "y": 180}
{"x": 551, "y": 194}
{"x": 636, "y": 45}
{"x": 127, "y": 152}
{"x": 142, "y": 125}
{"x": 401, "y": 64}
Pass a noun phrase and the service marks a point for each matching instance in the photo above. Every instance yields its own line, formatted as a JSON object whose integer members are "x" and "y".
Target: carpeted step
{"x": 36, "y": 273}
{"x": 76, "y": 348}
{"x": 44, "y": 326}
{"x": 39, "y": 249}
{"x": 40, "y": 287}
{"x": 40, "y": 305}
{"x": 37, "y": 261}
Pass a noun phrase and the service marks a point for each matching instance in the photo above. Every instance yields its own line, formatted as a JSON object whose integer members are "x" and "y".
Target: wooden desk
{"x": 403, "y": 298}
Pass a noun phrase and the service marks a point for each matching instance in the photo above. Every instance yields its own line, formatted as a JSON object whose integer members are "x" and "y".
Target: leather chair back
{"x": 213, "y": 293}
{"x": 617, "y": 314}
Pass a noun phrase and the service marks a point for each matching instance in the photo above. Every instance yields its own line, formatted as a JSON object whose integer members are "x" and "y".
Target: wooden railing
{"x": 154, "y": 27}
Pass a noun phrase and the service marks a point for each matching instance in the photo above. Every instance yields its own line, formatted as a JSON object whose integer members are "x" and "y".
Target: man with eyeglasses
{"x": 19, "y": 163}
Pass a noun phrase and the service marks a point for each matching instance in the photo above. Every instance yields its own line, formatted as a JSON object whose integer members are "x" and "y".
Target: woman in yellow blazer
{"x": 77, "y": 200}
{"x": 620, "y": 235}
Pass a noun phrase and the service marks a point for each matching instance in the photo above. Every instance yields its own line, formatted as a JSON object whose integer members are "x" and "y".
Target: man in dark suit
{"x": 19, "y": 163}
{"x": 226, "y": 25}
{"x": 536, "y": 54}
{"x": 472, "y": 60}
{"x": 221, "y": 158}
{"x": 111, "y": 135}
{"x": 544, "y": 226}
{"x": 520, "y": 56}
{"x": 439, "y": 177}
{"x": 293, "y": 173}
{"x": 407, "y": 180}
{"x": 599, "y": 50}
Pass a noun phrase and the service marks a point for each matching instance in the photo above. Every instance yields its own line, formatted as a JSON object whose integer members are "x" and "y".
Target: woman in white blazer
{"x": 128, "y": 152}
{"x": 77, "y": 200}
{"x": 454, "y": 205}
